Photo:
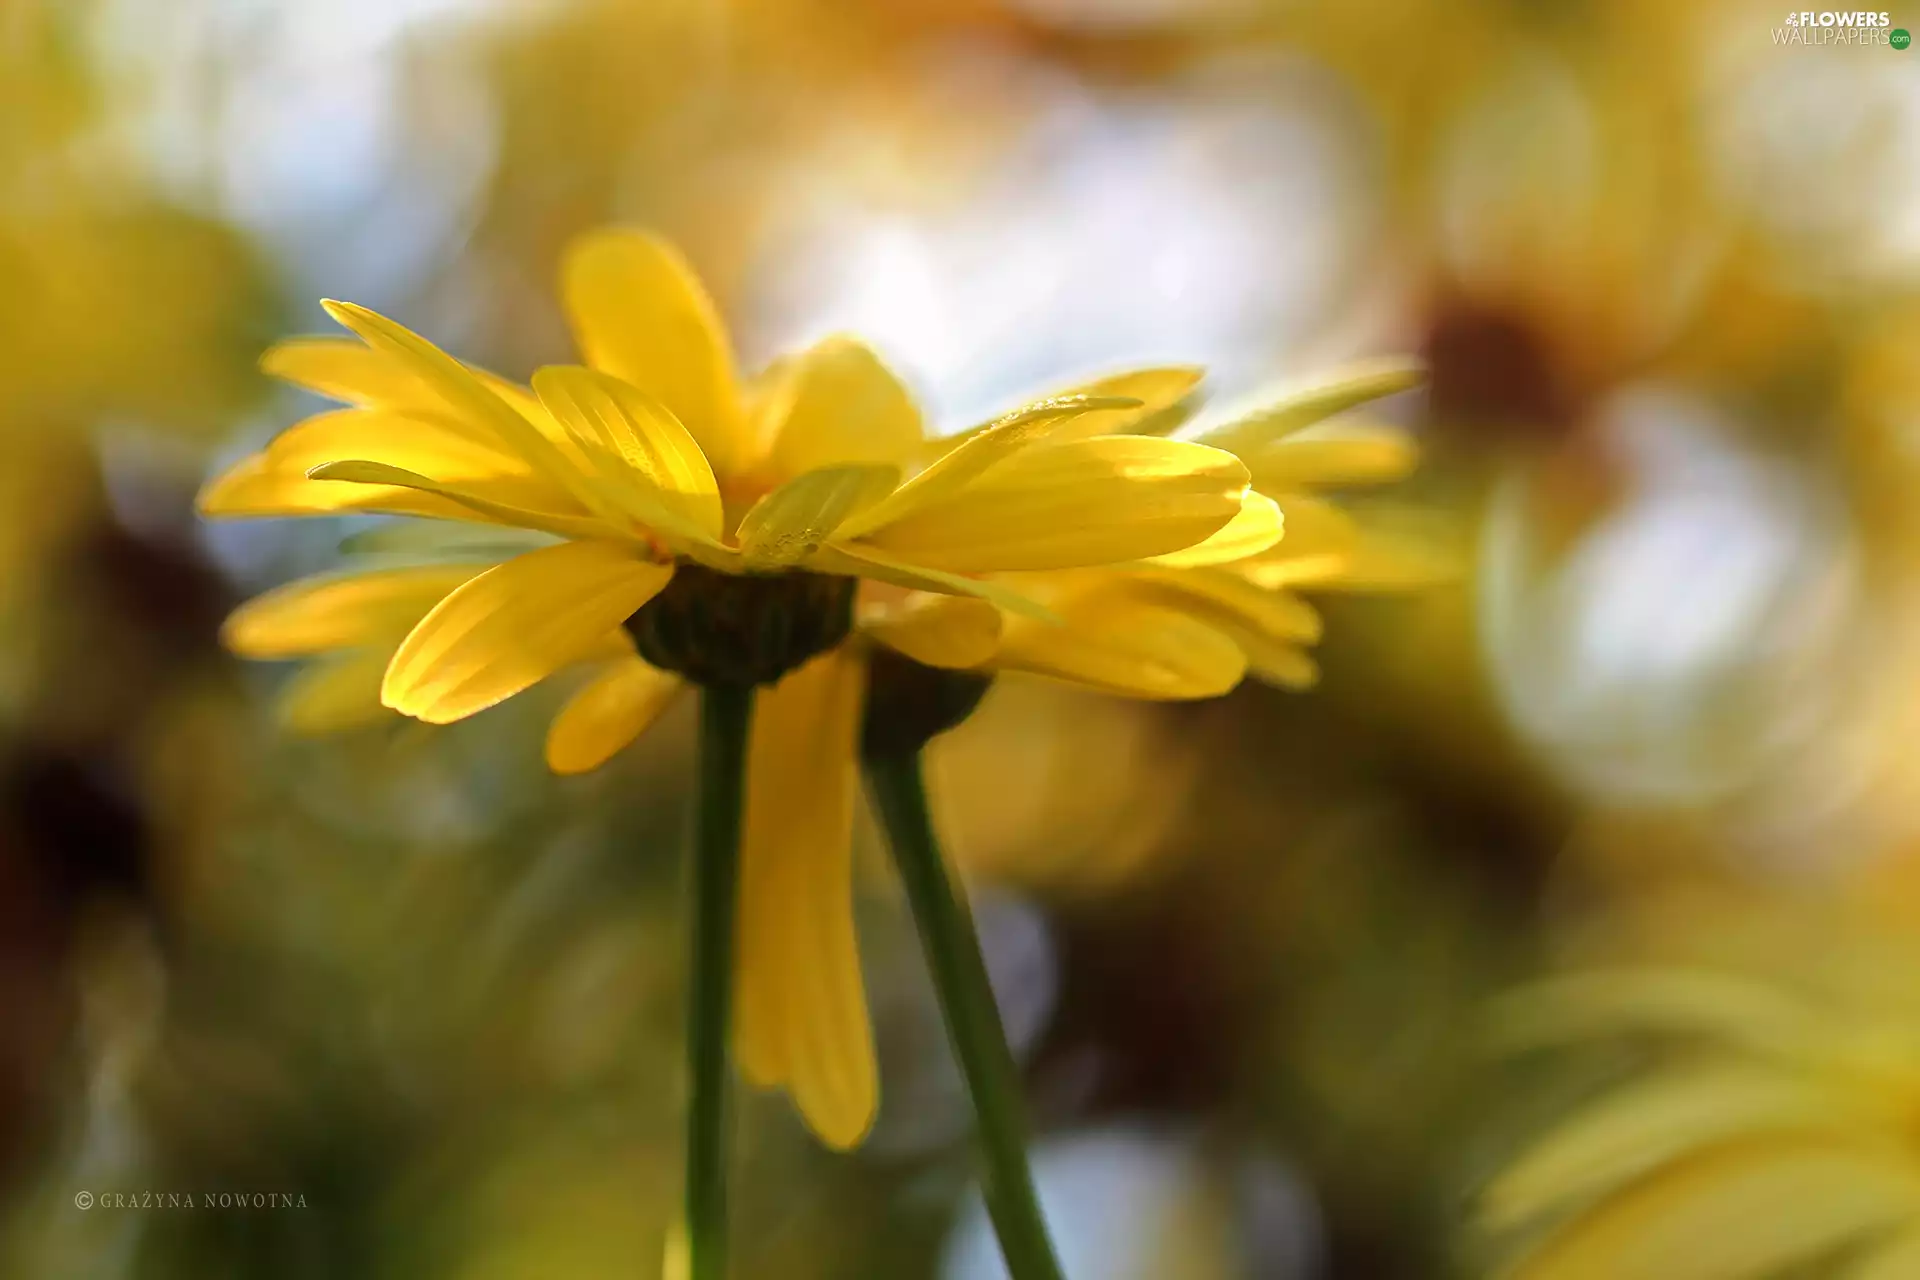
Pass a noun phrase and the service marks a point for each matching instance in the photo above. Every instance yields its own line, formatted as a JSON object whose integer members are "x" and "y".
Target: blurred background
{"x": 1664, "y": 269}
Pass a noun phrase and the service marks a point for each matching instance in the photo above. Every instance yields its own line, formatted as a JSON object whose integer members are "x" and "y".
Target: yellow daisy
{"x": 685, "y": 509}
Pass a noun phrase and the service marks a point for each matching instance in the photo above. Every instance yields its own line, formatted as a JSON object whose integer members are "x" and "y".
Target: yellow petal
{"x": 253, "y": 486}
{"x": 515, "y": 625}
{"x": 790, "y": 524}
{"x": 1277, "y": 663}
{"x": 429, "y": 446}
{"x": 976, "y": 454}
{"x": 1091, "y": 502}
{"x": 340, "y": 611}
{"x": 1317, "y": 545}
{"x": 1345, "y": 389}
{"x": 1741, "y": 1212}
{"x": 1225, "y": 598}
{"x": 841, "y": 405}
{"x": 474, "y": 402}
{"x": 349, "y": 371}
{"x": 473, "y": 499}
{"x": 803, "y": 1011}
{"x": 640, "y": 314}
{"x": 1161, "y": 398}
{"x": 1635, "y": 1130}
{"x": 864, "y": 562}
{"x": 940, "y": 631}
{"x": 1164, "y": 395}
{"x": 1257, "y": 526}
{"x": 652, "y": 455}
{"x": 607, "y": 714}
{"x": 1375, "y": 456}
{"x": 1117, "y": 644}
{"x": 1268, "y": 626}
{"x": 335, "y": 694}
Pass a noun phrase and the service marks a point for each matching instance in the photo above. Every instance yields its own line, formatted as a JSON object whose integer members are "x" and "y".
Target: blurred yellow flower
{"x": 1772, "y": 1131}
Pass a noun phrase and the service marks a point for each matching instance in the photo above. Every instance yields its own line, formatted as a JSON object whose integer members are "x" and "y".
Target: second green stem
{"x": 972, "y": 1017}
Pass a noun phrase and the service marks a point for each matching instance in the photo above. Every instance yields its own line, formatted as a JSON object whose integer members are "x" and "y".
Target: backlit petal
{"x": 472, "y": 400}
{"x": 515, "y": 625}
{"x": 803, "y": 1012}
{"x": 1091, "y": 502}
{"x": 640, "y": 313}
{"x": 607, "y": 714}
{"x": 646, "y": 452}
{"x": 977, "y": 454}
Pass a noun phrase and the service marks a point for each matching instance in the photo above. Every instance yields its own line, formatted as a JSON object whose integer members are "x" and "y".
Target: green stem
{"x": 972, "y": 1018}
{"x": 726, "y": 711}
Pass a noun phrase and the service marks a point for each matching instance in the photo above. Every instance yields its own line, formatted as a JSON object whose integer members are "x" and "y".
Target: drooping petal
{"x": 1164, "y": 394}
{"x": 1347, "y": 389}
{"x": 472, "y": 499}
{"x": 939, "y": 631}
{"x": 641, "y": 314}
{"x": 256, "y": 486}
{"x": 1739, "y": 1212}
{"x": 340, "y": 611}
{"x": 840, "y": 405}
{"x": 607, "y": 714}
{"x": 802, "y": 1019}
{"x": 978, "y": 453}
{"x": 1258, "y": 525}
{"x": 865, "y": 562}
{"x": 515, "y": 625}
{"x": 788, "y": 525}
{"x": 1115, "y": 643}
{"x": 1376, "y": 455}
{"x": 1091, "y": 502}
{"x": 1634, "y": 1130}
{"x": 335, "y": 694}
{"x": 658, "y": 460}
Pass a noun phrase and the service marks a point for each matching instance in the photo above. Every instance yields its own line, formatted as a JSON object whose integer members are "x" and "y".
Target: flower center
{"x": 719, "y": 628}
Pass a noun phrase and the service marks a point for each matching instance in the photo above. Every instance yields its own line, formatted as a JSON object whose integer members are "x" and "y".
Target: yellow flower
{"x": 661, "y": 479}
{"x": 1772, "y": 1131}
